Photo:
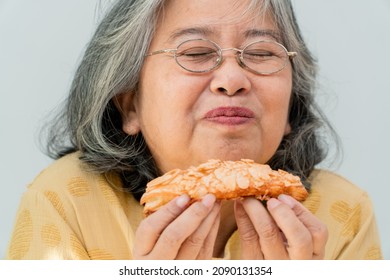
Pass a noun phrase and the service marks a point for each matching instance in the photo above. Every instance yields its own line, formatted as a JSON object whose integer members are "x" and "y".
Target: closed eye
{"x": 258, "y": 53}
{"x": 197, "y": 52}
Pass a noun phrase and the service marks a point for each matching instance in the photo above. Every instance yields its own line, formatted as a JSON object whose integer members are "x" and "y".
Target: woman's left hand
{"x": 286, "y": 231}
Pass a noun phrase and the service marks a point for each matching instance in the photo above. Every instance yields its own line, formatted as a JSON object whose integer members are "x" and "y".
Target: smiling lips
{"x": 229, "y": 115}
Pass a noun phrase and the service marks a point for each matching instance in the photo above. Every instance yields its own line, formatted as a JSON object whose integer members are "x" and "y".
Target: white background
{"x": 41, "y": 43}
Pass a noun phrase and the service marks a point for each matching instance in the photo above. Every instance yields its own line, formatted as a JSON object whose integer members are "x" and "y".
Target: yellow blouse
{"x": 70, "y": 213}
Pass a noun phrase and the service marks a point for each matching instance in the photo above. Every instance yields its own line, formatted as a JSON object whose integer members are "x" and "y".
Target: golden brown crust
{"x": 224, "y": 179}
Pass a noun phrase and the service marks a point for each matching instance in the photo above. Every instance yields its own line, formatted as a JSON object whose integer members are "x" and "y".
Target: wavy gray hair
{"x": 90, "y": 122}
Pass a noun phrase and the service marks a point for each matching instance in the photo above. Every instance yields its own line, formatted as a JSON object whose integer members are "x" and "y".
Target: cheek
{"x": 276, "y": 97}
{"x": 170, "y": 91}
{"x": 155, "y": 93}
{"x": 275, "y": 102}
{"x": 166, "y": 106}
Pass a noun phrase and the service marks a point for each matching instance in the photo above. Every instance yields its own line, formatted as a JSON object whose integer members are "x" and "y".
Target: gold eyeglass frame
{"x": 239, "y": 55}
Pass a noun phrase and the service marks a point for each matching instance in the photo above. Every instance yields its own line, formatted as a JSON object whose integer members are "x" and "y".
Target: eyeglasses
{"x": 202, "y": 55}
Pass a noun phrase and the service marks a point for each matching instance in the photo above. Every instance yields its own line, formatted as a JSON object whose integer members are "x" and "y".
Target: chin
{"x": 234, "y": 155}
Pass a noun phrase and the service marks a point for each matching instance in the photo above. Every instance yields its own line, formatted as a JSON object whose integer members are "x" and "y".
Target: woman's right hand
{"x": 179, "y": 231}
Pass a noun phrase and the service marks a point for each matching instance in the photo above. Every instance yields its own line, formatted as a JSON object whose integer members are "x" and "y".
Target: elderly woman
{"x": 171, "y": 84}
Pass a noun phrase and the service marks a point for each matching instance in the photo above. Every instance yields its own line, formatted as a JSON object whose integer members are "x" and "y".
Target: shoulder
{"x": 330, "y": 182}
{"x": 348, "y": 212}
{"x": 68, "y": 183}
{"x": 69, "y": 203}
{"x": 332, "y": 191}
{"x": 69, "y": 176}
{"x": 63, "y": 171}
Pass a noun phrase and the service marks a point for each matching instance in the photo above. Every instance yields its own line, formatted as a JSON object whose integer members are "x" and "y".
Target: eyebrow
{"x": 207, "y": 31}
{"x": 252, "y": 33}
{"x": 203, "y": 31}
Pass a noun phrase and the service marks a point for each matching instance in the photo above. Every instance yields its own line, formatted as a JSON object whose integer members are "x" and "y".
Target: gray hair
{"x": 90, "y": 122}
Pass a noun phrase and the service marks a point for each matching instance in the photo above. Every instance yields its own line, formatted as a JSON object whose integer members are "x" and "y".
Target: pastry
{"x": 224, "y": 179}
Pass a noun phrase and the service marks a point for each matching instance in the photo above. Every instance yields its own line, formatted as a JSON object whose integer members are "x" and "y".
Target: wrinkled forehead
{"x": 234, "y": 14}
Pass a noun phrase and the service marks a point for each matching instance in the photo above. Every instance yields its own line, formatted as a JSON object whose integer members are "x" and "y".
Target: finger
{"x": 299, "y": 239}
{"x": 317, "y": 229}
{"x": 151, "y": 227}
{"x": 193, "y": 245}
{"x": 270, "y": 237}
{"x": 174, "y": 235}
{"x": 207, "y": 250}
{"x": 249, "y": 239}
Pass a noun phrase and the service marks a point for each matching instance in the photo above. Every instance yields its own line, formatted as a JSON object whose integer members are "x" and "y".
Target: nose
{"x": 230, "y": 78}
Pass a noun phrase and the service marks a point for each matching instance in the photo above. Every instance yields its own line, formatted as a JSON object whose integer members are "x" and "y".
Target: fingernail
{"x": 182, "y": 200}
{"x": 273, "y": 203}
{"x": 287, "y": 200}
{"x": 208, "y": 200}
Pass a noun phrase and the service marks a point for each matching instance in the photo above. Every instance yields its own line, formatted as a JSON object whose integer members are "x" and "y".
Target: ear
{"x": 125, "y": 103}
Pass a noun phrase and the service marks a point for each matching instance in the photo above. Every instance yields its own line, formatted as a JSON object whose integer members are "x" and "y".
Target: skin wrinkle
{"x": 209, "y": 32}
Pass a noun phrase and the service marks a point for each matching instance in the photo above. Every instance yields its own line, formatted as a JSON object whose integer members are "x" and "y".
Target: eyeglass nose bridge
{"x": 238, "y": 54}
{"x": 231, "y": 49}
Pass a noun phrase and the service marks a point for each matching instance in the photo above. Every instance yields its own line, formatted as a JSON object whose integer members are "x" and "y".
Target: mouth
{"x": 230, "y": 115}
